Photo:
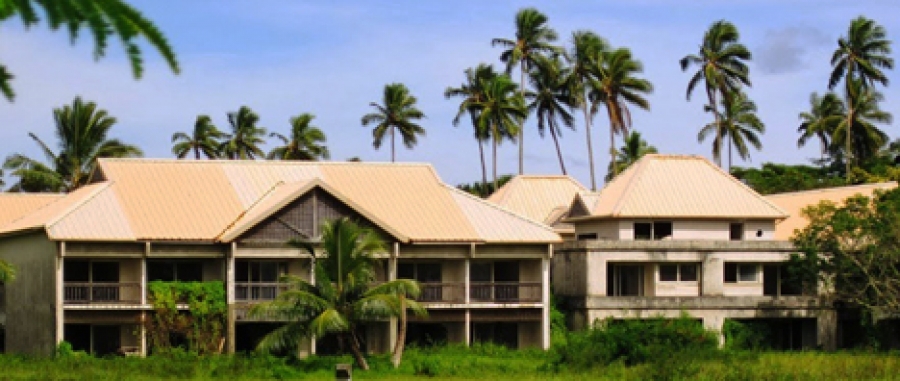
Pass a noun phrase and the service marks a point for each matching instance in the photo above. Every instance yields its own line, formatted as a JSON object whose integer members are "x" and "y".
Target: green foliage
{"x": 778, "y": 178}
{"x": 746, "y": 335}
{"x": 484, "y": 190}
{"x": 7, "y": 272}
{"x": 631, "y": 342}
{"x": 396, "y": 114}
{"x": 102, "y": 18}
{"x": 204, "y": 323}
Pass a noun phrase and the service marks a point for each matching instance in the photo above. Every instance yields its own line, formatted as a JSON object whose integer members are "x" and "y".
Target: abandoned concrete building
{"x": 676, "y": 234}
{"x": 84, "y": 259}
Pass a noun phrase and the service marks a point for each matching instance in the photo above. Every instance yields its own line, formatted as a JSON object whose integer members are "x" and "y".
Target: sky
{"x": 333, "y": 58}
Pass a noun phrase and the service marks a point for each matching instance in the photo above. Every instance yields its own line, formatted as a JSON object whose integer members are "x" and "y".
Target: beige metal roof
{"x": 538, "y": 197}
{"x": 17, "y": 205}
{"x": 677, "y": 186}
{"x": 187, "y": 200}
{"x": 795, "y": 202}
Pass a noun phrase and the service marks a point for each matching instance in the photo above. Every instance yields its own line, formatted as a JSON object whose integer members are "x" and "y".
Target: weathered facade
{"x": 675, "y": 235}
{"x": 85, "y": 259}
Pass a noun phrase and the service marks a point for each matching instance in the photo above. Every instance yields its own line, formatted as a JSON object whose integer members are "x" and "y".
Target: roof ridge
{"x": 833, "y": 189}
{"x": 638, "y": 167}
{"x": 72, "y": 208}
{"x": 746, "y": 187}
{"x": 264, "y": 162}
{"x": 495, "y": 206}
{"x": 36, "y": 194}
{"x": 503, "y": 191}
{"x": 249, "y": 207}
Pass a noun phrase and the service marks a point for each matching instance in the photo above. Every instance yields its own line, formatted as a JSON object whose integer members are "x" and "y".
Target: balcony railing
{"x": 442, "y": 292}
{"x": 505, "y": 292}
{"x": 258, "y": 292}
{"x": 102, "y": 293}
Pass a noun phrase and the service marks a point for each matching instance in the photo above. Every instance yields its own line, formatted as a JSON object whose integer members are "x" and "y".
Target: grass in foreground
{"x": 456, "y": 363}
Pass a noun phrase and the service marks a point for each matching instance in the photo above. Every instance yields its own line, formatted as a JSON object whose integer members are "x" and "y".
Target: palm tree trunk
{"x": 849, "y": 145}
{"x": 495, "y": 164}
{"x": 197, "y": 153}
{"x": 483, "y": 169}
{"x": 357, "y": 352}
{"x": 562, "y": 165}
{"x": 715, "y": 111}
{"x": 730, "y": 143}
{"x": 521, "y": 126}
{"x": 393, "y": 154}
{"x": 612, "y": 151}
{"x": 401, "y": 335}
{"x": 587, "y": 128}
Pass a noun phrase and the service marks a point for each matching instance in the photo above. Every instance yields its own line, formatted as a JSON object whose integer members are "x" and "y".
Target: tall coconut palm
{"x": 586, "y": 46}
{"x": 344, "y": 295}
{"x": 245, "y": 138}
{"x": 499, "y": 111}
{"x": 204, "y": 139}
{"x": 551, "y": 101}
{"x": 533, "y": 38}
{"x": 720, "y": 64}
{"x": 397, "y": 112}
{"x": 859, "y": 57}
{"x": 471, "y": 92}
{"x": 738, "y": 124}
{"x": 306, "y": 142}
{"x": 81, "y": 132}
{"x": 615, "y": 86}
{"x": 866, "y": 139}
{"x": 816, "y": 122}
{"x": 634, "y": 149}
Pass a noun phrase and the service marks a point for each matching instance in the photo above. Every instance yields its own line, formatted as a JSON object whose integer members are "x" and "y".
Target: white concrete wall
{"x": 702, "y": 230}
{"x": 681, "y": 229}
{"x": 766, "y": 228}
{"x": 605, "y": 230}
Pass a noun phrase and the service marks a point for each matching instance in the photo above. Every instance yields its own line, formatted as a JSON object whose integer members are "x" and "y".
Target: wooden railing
{"x": 102, "y": 293}
{"x": 505, "y": 292}
{"x": 442, "y": 292}
{"x": 258, "y": 292}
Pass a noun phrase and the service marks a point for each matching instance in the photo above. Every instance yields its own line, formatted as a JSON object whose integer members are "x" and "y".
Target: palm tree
{"x": 499, "y": 112}
{"x": 615, "y": 86}
{"x": 866, "y": 139}
{"x": 815, "y": 122}
{"x": 204, "y": 140}
{"x": 739, "y": 124}
{"x": 721, "y": 66}
{"x": 551, "y": 100}
{"x": 472, "y": 91}
{"x": 7, "y": 272}
{"x": 635, "y": 148}
{"x": 81, "y": 130}
{"x": 397, "y": 112}
{"x": 533, "y": 38}
{"x": 245, "y": 138}
{"x": 860, "y": 56}
{"x": 103, "y": 19}
{"x": 344, "y": 295}
{"x": 585, "y": 47}
{"x": 307, "y": 142}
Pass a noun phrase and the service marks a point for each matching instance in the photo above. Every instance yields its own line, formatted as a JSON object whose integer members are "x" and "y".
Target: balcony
{"x": 102, "y": 293}
{"x": 505, "y": 292}
{"x": 258, "y": 291}
{"x": 442, "y": 292}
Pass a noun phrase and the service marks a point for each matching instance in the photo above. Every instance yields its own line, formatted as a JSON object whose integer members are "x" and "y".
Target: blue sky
{"x": 332, "y": 59}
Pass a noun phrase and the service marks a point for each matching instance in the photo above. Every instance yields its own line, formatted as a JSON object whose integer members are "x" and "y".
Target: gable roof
{"x": 215, "y": 201}
{"x": 544, "y": 198}
{"x": 14, "y": 206}
{"x": 677, "y": 186}
{"x": 795, "y": 202}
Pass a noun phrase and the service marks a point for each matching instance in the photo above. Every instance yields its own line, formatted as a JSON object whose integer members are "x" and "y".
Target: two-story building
{"x": 84, "y": 259}
{"x": 676, "y": 234}
{"x": 544, "y": 198}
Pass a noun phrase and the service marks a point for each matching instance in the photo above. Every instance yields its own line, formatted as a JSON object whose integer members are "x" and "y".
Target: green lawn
{"x": 488, "y": 363}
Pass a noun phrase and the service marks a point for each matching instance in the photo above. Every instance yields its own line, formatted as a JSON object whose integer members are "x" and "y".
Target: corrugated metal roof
{"x": 497, "y": 224}
{"x": 17, "y": 205}
{"x": 143, "y": 199}
{"x": 676, "y": 186}
{"x": 795, "y": 202}
{"x": 538, "y": 197}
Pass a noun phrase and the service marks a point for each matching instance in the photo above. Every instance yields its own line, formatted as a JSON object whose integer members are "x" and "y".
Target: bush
{"x": 631, "y": 342}
{"x": 747, "y": 335}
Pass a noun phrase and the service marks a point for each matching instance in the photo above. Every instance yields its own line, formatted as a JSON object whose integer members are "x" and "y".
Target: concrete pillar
{"x": 826, "y": 324}
{"x": 393, "y": 322}
{"x": 545, "y": 303}
{"x": 467, "y": 276}
{"x": 715, "y": 323}
{"x": 467, "y": 327}
{"x": 60, "y": 294}
{"x": 143, "y": 334}
{"x": 712, "y": 271}
{"x": 229, "y": 298}
{"x": 143, "y": 267}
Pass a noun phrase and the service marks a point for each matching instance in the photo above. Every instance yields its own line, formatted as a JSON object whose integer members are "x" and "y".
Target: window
{"x": 737, "y": 231}
{"x": 259, "y": 271}
{"x": 741, "y": 272}
{"x": 184, "y": 271}
{"x": 421, "y": 272}
{"x": 586, "y": 236}
{"x": 678, "y": 272}
{"x": 656, "y": 230}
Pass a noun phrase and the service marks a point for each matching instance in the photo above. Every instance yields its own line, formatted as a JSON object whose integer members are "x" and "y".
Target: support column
{"x": 826, "y": 325}
{"x": 545, "y": 302}
{"x": 716, "y": 323}
{"x": 143, "y": 333}
{"x": 229, "y": 298}
{"x": 60, "y": 294}
{"x": 143, "y": 267}
{"x": 467, "y": 327}
{"x": 392, "y": 275}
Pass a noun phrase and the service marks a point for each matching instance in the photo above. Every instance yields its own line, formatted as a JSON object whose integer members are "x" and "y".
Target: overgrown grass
{"x": 482, "y": 362}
